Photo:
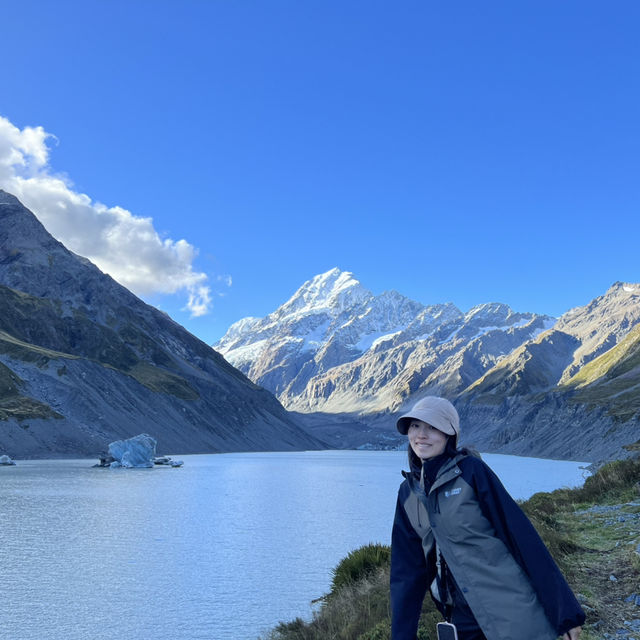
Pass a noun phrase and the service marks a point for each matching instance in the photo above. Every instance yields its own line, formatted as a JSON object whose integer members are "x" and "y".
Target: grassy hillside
{"x": 612, "y": 379}
{"x": 592, "y": 532}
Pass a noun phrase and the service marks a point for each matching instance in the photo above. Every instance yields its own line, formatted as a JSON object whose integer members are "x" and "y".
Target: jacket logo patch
{"x": 453, "y": 492}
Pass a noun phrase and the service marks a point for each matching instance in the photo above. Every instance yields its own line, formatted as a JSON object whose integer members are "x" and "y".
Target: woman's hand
{"x": 572, "y": 634}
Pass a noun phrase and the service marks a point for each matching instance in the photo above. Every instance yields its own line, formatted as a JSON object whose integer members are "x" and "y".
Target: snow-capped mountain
{"x": 523, "y": 383}
{"x": 337, "y": 347}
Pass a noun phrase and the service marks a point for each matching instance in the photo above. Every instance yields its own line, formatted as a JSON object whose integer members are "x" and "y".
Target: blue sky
{"x": 454, "y": 151}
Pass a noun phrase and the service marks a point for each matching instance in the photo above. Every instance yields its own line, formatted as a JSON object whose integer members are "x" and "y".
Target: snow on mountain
{"x": 333, "y": 291}
{"x": 334, "y": 346}
{"x": 329, "y": 320}
{"x": 522, "y": 382}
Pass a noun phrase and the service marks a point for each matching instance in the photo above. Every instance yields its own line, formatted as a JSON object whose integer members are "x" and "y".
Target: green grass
{"x": 24, "y": 408}
{"x": 588, "y": 546}
{"x": 20, "y": 350}
{"x": 612, "y": 380}
{"x": 617, "y": 361}
{"x": 163, "y": 381}
{"x": 359, "y": 564}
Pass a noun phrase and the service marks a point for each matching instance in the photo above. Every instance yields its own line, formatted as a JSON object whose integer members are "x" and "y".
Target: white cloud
{"x": 199, "y": 301}
{"x": 125, "y": 246}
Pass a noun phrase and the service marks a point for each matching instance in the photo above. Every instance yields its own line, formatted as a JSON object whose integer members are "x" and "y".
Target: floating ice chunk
{"x": 168, "y": 462}
{"x": 139, "y": 451}
{"x": 6, "y": 460}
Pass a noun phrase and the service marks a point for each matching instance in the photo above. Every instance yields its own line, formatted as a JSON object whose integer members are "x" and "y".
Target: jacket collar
{"x": 448, "y": 471}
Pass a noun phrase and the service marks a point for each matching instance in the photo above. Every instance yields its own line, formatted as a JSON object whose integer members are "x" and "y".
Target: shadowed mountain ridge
{"x": 85, "y": 362}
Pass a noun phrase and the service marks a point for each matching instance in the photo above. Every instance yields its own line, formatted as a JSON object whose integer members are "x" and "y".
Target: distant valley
{"x": 347, "y": 361}
{"x": 84, "y": 362}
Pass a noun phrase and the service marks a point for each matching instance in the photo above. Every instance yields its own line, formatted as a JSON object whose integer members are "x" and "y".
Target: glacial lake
{"x": 224, "y": 547}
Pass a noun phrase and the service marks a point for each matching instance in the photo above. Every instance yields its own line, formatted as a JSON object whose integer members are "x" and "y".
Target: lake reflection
{"x": 224, "y": 547}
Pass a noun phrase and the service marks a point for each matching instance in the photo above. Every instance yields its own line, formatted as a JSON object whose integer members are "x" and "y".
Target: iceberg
{"x": 6, "y": 460}
{"x": 167, "y": 461}
{"x": 136, "y": 452}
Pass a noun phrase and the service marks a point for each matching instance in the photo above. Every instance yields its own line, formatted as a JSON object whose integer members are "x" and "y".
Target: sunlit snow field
{"x": 224, "y": 547}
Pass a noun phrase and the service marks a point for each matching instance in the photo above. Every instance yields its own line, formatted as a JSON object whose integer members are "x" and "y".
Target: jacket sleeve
{"x": 408, "y": 577}
{"x": 516, "y": 531}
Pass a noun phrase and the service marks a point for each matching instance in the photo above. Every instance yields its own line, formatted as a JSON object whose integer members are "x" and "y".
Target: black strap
{"x": 443, "y": 588}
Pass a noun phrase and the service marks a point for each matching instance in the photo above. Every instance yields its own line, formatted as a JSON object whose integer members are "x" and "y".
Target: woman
{"x": 458, "y": 532}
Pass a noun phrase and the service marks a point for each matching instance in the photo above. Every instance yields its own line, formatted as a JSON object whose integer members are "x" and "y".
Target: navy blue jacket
{"x": 413, "y": 552}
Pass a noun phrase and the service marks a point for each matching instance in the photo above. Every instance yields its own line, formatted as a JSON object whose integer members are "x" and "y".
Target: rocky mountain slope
{"x": 335, "y": 347}
{"x": 84, "y": 362}
{"x": 573, "y": 391}
{"x": 517, "y": 378}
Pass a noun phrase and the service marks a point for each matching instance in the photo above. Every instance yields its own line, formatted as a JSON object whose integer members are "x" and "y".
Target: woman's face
{"x": 425, "y": 440}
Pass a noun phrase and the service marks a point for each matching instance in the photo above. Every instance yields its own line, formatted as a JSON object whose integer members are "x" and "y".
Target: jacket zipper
{"x": 436, "y": 502}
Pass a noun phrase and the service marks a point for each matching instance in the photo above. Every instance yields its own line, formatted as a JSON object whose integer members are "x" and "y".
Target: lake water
{"x": 224, "y": 547}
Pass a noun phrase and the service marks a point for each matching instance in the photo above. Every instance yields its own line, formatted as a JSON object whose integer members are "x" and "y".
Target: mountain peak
{"x": 331, "y": 281}
{"x": 488, "y": 309}
{"x": 619, "y": 299}
{"x": 626, "y": 287}
{"x": 332, "y": 289}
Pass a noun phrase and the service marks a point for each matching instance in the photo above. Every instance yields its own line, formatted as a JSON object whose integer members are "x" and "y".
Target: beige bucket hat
{"x": 438, "y": 412}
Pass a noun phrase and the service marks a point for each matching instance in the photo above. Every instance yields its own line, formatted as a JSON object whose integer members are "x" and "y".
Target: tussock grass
{"x": 358, "y": 607}
{"x": 614, "y": 482}
{"x": 359, "y": 564}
